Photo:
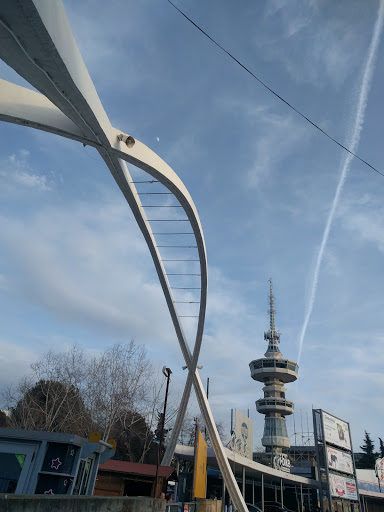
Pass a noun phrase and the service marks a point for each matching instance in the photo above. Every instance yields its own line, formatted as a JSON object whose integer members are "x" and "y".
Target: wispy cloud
{"x": 16, "y": 172}
{"x": 15, "y": 359}
{"x": 67, "y": 270}
{"x": 366, "y": 222}
{"x": 276, "y": 138}
{"x": 326, "y": 56}
{"x": 270, "y": 137}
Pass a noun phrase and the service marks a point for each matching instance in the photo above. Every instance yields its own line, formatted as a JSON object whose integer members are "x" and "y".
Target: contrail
{"x": 353, "y": 142}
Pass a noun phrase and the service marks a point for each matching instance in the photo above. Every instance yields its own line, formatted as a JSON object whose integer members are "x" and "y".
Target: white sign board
{"x": 336, "y": 431}
{"x": 343, "y": 487}
{"x": 242, "y": 438}
{"x": 340, "y": 461}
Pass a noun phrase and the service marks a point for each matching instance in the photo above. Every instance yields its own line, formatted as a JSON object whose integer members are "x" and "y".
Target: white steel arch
{"x": 38, "y": 43}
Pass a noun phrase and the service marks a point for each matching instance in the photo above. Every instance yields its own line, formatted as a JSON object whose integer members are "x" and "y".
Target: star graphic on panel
{"x": 49, "y": 492}
{"x": 56, "y": 463}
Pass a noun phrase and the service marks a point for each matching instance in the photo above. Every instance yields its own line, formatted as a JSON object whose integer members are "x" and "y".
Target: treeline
{"x": 117, "y": 393}
{"x": 369, "y": 455}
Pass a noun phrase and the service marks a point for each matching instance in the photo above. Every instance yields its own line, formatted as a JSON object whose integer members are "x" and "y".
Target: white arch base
{"x": 37, "y": 42}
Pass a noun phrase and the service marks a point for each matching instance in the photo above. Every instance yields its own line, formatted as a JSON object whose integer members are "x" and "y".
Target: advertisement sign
{"x": 336, "y": 431}
{"x": 339, "y": 461}
{"x": 281, "y": 462}
{"x": 342, "y": 487}
{"x": 242, "y": 437}
{"x": 379, "y": 470}
{"x": 200, "y": 470}
{"x": 350, "y": 484}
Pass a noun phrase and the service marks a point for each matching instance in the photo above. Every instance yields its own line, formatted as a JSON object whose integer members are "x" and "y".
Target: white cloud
{"x": 16, "y": 172}
{"x": 325, "y": 57}
{"x": 366, "y": 224}
{"x": 79, "y": 268}
{"x": 31, "y": 180}
{"x": 270, "y": 138}
{"x": 15, "y": 359}
{"x": 181, "y": 150}
{"x": 277, "y": 137}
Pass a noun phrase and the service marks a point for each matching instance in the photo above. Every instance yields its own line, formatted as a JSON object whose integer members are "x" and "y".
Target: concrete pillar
{"x": 262, "y": 492}
{"x": 253, "y": 492}
{"x": 177, "y": 483}
{"x": 281, "y": 492}
{"x": 223, "y": 497}
{"x": 301, "y": 498}
{"x": 244, "y": 482}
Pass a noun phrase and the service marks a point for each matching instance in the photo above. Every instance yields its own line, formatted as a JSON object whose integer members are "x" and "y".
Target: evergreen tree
{"x": 54, "y": 407}
{"x": 368, "y": 459}
{"x": 134, "y": 439}
{"x": 381, "y": 447}
{"x": 160, "y": 416}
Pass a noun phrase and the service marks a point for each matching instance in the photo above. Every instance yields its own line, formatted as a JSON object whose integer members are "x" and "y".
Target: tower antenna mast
{"x": 271, "y": 309}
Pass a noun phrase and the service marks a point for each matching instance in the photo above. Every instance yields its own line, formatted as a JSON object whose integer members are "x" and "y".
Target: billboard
{"x": 339, "y": 461}
{"x": 242, "y": 437}
{"x": 200, "y": 470}
{"x": 336, "y": 431}
{"x": 342, "y": 487}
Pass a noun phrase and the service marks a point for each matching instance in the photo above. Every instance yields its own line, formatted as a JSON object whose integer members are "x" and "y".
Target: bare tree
{"x": 188, "y": 430}
{"x": 116, "y": 392}
{"x": 50, "y": 405}
{"x": 51, "y": 399}
{"x": 118, "y": 383}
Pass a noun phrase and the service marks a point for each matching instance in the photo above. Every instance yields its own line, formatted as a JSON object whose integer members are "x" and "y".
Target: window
{"x": 10, "y": 471}
{"x": 275, "y": 427}
{"x": 83, "y": 474}
{"x": 15, "y": 460}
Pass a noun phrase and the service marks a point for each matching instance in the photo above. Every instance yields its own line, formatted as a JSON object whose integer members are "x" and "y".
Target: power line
{"x": 275, "y": 93}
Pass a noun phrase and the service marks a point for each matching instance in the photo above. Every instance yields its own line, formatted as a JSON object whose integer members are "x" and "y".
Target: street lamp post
{"x": 167, "y": 373}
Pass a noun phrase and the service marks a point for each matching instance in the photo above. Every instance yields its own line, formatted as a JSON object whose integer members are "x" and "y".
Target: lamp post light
{"x": 167, "y": 372}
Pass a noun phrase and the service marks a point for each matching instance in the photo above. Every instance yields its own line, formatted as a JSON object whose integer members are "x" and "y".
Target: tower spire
{"x": 272, "y": 336}
{"x": 271, "y": 308}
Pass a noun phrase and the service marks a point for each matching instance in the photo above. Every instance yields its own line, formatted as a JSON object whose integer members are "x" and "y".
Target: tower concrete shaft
{"x": 274, "y": 371}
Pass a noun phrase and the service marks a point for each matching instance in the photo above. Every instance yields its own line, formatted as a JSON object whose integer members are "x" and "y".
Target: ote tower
{"x": 274, "y": 372}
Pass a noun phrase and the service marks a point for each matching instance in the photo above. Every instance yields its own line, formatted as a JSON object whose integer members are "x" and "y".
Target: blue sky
{"x": 74, "y": 267}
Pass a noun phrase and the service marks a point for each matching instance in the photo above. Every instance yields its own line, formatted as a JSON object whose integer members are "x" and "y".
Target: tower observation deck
{"x": 274, "y": 371}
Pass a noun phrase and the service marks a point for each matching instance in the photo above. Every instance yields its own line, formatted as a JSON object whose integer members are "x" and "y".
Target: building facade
{"x": 37, "y": 462}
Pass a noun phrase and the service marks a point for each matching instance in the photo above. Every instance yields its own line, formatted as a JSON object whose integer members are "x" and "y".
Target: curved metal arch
{"x": 72, "y": 108}
{"x": 23, "y": 106}
{"x": 34, "y": 110}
